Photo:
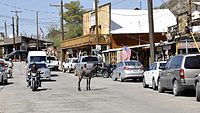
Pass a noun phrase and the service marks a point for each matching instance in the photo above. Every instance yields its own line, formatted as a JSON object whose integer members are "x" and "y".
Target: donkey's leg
{"x": 79, "y": 83}
{"x": 87, "y": 85}
{"x": 89, "y": 82}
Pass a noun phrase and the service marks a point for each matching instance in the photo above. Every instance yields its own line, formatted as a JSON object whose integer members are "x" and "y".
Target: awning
{"x": 182, "y": 45}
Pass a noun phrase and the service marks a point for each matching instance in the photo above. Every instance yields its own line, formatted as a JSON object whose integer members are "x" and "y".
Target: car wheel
{"x": 68, "y": 70}
{"x": 113, "y": 78}
{"x": 198, "y": 91}
{"x": 105, "y": 74}
{"x": 120, "y": 78}
{"x": 160, "y": 87}
{"x": 154, "y": 84}
{"x": 176, "y": 88}
{"x": 1, "y": 82}
{"x": 63, "y": 70}
{"x": 5, "y": 81}
{"x": 144, "y": 83}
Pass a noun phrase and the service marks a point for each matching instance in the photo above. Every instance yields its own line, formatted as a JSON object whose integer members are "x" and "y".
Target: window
{"x": 51, "y": 58}
{"x": 151, "y": 67}
{"x": 176, "y": 62}
{"x": 38, "y": 58}
{"x": 192, "y": 62}
{"x": 154, "y": 67}
{"x": 89, "y": 59}
{"x": 133, "y": 63}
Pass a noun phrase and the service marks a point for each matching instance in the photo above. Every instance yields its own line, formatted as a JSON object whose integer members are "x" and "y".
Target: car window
{"x": 51, "y": 58}
{"x": 133, "y": 63}
{"x": 151, "y": 67}
{"x": 168, "y": 63}
{"x": 176, "y": 62}
{"x": 39, "y": 65}
{"x": 74, "y": 61}
{"x": 162, "y": 65}
{"x": 192, "y": 62}
{"x": 67, "y": 60}
{"x": 154, "y": 66}
{"x": 118, "y": 65}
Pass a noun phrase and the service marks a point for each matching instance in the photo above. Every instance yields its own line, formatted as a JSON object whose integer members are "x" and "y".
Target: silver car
{"x": 3, "y": 74}
{"x": 42, "y": 67}
{"x": 131, "y": 69}
{"x": 179, "y": 73}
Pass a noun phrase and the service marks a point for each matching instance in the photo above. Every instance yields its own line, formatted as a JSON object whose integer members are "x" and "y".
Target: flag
{"x": 126, "y": 53}
{"x": 41, "y": 30}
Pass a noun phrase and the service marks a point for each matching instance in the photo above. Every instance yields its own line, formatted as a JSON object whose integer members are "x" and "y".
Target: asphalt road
{"x": 61, "y": 95}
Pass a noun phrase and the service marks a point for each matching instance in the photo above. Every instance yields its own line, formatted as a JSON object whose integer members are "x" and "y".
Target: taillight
{"x": 126, "y": 68}
{"x": 85, "y": 66}
{"x": 182, "y": 74}
{"x": 4, "y": 68}
{"x": 142, "y": 68}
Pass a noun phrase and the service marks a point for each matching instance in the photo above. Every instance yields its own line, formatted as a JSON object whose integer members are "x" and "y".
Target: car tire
{"x": 63, "y": 69}
{"x": 160, "y": 87}
{"x": 1, "y": 82}
{"x": 105, "y": 74}
{"x": 113, "y": 78}
{"x": 144, "y": 83}
{"x": 120, "y": 78}
{"x": 176, "y": 89}
{"x": 5, "y": 82}
{"x": 68, "y": 70}
{"x": 154, "y": 84}
{"x": 198, "y": 92}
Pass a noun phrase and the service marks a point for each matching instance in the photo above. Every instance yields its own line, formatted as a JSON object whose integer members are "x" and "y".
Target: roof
{"x": 196, "y": 3}
{"x": 36, "y": 53}
{"x": 136, "y": 21}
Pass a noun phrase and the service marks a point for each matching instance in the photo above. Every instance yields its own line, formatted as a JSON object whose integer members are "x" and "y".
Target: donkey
{"x": 88, "y": 74}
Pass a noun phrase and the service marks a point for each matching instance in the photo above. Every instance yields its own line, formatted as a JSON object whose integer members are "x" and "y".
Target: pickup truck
{"x": 69, "y": 64}
{"x": 85, "y": 62}
{"x": 52, "y": 63}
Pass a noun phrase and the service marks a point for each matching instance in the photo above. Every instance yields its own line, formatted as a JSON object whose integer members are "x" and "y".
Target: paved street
{"x": 61, "y": 95}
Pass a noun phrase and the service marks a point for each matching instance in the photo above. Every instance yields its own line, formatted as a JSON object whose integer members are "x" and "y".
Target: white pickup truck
{"x": 85, "y": 62}
{"x": 69, "y": 64}
{"x": 52, "y": 63}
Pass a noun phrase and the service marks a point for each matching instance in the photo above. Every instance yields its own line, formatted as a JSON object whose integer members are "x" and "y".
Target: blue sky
{"x": 49, "y": 15}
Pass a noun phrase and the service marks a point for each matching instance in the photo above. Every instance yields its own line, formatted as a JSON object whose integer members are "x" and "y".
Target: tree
{"x": 74, "y": 19}
{"x": 54, "y": 35}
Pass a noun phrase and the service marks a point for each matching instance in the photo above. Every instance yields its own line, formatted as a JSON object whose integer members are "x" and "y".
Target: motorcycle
{"x": 34, "y": 82}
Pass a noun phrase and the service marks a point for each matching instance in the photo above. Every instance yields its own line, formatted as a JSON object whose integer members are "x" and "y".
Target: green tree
{"x": 74, "y": 19}
{"x": 54, "y": 35}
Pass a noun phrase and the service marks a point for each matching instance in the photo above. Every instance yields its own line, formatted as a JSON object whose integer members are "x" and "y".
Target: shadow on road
{"x": 54, "y": 75}
{"x": 48, "y": 80}
{"x": 186, "y": 93}
{"x": 97, "y": 89}
{"x": 9, "y": 83}
{"x": 43, "y": 89}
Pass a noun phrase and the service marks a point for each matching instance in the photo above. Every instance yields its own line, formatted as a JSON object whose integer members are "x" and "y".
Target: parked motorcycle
{"x": 106, "y": 71}
{"x": 34, "y": 82}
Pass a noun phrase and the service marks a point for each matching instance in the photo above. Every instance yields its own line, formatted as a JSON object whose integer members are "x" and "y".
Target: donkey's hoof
{"x": 79, "y": 89}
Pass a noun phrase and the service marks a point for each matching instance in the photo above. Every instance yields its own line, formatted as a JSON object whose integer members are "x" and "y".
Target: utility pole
{"x": 96, "y": 21}
{"x": 5, "y": 27}
{"x": 37, "y": 30}
{"x": 13, "y": 29}
{"x": 17, "y": 21}
{"x": 62, "y": 55}
{"x": 151, "y": 31}
{"x": 190, "y": 13}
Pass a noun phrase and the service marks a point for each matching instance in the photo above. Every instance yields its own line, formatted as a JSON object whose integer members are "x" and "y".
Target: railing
{"x": 85, "y": 40}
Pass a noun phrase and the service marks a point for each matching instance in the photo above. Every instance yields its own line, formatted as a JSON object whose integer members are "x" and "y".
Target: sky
{"x": 49, "y": 15}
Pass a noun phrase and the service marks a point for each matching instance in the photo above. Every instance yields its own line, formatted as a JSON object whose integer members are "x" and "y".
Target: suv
{"x": 179, "y": 73}
{"x": 85, "y": 62}
{"x": 69, "y": 64}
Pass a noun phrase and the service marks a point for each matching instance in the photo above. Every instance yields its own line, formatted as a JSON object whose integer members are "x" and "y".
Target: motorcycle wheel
{"x": 105, "y": 74}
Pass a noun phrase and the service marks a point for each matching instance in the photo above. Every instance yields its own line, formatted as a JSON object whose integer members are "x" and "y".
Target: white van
{"x": 36, "y": 56}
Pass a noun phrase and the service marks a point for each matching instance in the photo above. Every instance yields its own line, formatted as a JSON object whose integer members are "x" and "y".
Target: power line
{"x": 30, "y": 10}
{"x": 118, "y": 2}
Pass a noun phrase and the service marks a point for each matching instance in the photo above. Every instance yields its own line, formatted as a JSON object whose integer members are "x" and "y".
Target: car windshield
{"x": 51, "y": 58}
{"x": 38, "y": 59}
{"x": 133, "y": 63}
{"x": 89, "y": 59}
{"x": 162, "y": 64}
{"x": 192, "y": 62}
{"x": 74, "y": 61}
{"x": 39, "y": 65}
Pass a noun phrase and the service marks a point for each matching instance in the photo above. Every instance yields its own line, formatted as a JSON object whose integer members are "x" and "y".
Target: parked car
{"x": 52, "y": 62}
{"x": 179, "y": 73}
{"x": 128, "y": 70}
{"x": 3, "y": 74}
{"x": 85, "y": 62}
{"x": 150, "y": 76}
{"x": 17, "y": 54}
{"x": 197, "y": 84}
{"x": 69, "y": 64}
{"x": 42, "y": 67}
